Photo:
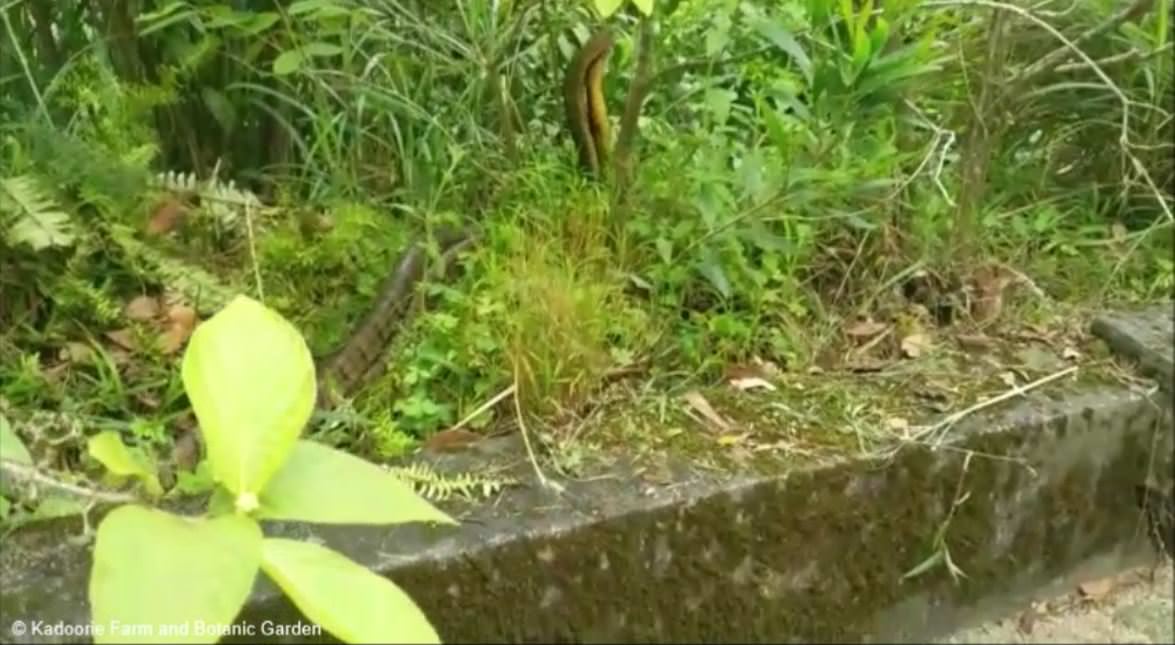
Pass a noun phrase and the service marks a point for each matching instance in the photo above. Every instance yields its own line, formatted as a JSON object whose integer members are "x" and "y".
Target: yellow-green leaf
{"x": 107, "y": 447}
{"x": 250, "y": 378}
{"x": 288, "y": 62}
{"x": 645, "y": 6}
{"x": 322, "y": 485}
{"x": 347, "y": 600}
{"x": 608, "y": 7}
{"x": 11, "y": 447}
{"x": 167, "y": 571}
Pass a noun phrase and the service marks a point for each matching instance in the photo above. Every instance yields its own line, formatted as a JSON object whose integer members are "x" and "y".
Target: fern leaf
{"x": 39, "y": 221}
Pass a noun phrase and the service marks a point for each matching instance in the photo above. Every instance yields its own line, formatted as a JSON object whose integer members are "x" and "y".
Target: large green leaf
{"x": 11, "y": 447}
{"x": 250, "y": 378}
{"x": 352, "y": 603}
{"x": 167, "y": 571}
{"x": 323, "y": 485}
{"x": 107, "y": 447}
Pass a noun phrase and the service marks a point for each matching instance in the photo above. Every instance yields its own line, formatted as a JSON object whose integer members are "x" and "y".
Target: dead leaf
{"x": 186, "y": 451}
{"x": 142, "y": 308}
{"x": 1027, "y": 622}
{"x": 1094, "y": 589}
{"x": 1070, "y": 354}
{"x": 123, "y": 338}
{"x": 975, "y": 342}
{"x": 731, "y": 439}
{"x": 166, "y": 216}
{"x": 74, "y": 352}
{"x": 987, "y": 288}
{"x": 866, "y": 364}
{"x": 751, "y": 383}
{"x": 451, "y": 440}
{"x": 864, "y": 329}
{"x": 898, "y": 424}
{"x": 703, "y": 407}
{"x": 767, "y": 368}
{"x": 916, "y": 345}
{"x": 1008, "y": 378}
{"x": 182, "y": 315}
{"x": 183, "y": 323}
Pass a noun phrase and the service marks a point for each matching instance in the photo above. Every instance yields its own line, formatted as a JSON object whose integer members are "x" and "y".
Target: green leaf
{"x": 322, "y": 49}
{"x": 711, "y": 269}
{"x": 645, "y": 6}
{"x": 351, "y": 602}
{"x": 782, "y": 38}
{"x": 322, "y": 485}
{"x": 221, "y": 108}
{"x": 107, "y": 447}
{"x": 11, "y": 447}
{"x": 608, "y": 7}
{"x": 288, "y": 62}
{"x": 163, "y": 570}
{"x": 250, "y": 378}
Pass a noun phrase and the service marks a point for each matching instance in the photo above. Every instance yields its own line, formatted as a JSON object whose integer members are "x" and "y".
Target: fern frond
{"x": 436, "y": 486}
{"x": 222, "y": 200}
{"x": 205, "y": 290}
{"x": 38, "y": 220}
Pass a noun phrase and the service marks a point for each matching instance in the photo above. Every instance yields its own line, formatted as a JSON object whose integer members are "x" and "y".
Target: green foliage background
{"x": 797, "y": 161}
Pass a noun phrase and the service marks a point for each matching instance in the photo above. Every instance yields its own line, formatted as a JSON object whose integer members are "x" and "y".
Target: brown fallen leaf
{"x": 186, "y": 451}
{"x": 123, "y": 338}
{"x": 864, "y": 329}
{"x": 897, "y": 424}
{"x": 1070, "y": 354}
{"x": 166, "y": 216}
{"x": 916, "y": 345}
{"x": 1094, "y": 589}
{"x": 699, "y": 403}
{"x": 975, "y": 342}
{"x": 987, "y": 288}
{"x": 142, "y": 308}
{"x": 451, "y": 440}
{"x": 75, "y": 352}
{"x": 182, "y": 322}
{"x": 751, "y": 383}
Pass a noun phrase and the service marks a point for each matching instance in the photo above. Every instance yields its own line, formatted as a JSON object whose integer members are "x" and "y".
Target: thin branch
{"x": 1055, "y": 57}
{"x": 26, "y": 475}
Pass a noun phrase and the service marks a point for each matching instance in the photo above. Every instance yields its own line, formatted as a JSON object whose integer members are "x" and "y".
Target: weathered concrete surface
{"x": 1135, "y": 606}
{"x": 1146, "y": 336}
{"x": 814, "y": 554}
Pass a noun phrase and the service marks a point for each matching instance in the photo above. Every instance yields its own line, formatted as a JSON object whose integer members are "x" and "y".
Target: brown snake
{"x": 359, "y": 359}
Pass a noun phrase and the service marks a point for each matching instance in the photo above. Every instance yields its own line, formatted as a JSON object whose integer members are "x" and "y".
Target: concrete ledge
{"x": 815, "y": 554}
{"x": 1146, "y": 336}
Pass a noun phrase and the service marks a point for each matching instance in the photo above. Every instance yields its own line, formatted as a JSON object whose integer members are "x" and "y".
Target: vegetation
{"x": 813, "y": 186}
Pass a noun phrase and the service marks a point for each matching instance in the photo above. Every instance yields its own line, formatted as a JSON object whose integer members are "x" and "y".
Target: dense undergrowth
{"x": 802, "y": 168}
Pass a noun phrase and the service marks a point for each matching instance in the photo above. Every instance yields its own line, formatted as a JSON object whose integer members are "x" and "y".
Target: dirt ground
{"x": 1129, "y": 608}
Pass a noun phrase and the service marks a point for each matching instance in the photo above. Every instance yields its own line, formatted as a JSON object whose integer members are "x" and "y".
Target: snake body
{"x": 359, "y": 359}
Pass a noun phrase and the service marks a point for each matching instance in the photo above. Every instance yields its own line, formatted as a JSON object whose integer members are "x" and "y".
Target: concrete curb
{"x": 813, "y": 554}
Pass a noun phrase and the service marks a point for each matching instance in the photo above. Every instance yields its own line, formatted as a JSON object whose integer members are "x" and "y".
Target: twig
{"x": 1067, "y": 44}
{"x": 29, "y": 475}
{"x": 546, "y": 483}
{"x": 951, "y": 419}
{"x": 1053, "y": 58}
{"x": 253, "y": 251}
{"x": 947, "y": 422}
{"x": 485, "y": 406}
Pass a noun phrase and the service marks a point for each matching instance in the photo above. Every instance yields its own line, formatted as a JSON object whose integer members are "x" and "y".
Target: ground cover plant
{"x": 812, "y": 209}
